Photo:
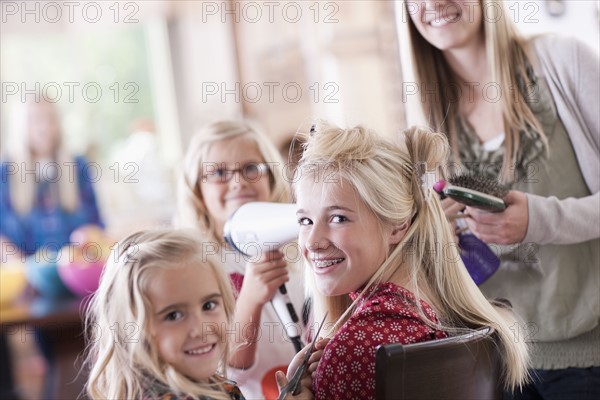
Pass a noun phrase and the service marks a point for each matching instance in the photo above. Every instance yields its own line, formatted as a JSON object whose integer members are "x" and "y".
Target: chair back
{"x": 460, "y": 367}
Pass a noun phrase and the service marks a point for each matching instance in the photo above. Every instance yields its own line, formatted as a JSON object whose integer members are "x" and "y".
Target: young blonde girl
{"x": 229, "y": 164}
{"x": 158, "y": 324}
{"x": 384, "y": 264}
{"x": 126, "y": 328}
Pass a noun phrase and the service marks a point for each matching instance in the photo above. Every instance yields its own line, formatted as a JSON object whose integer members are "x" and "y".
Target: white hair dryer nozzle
{"x": 261, "y": 226}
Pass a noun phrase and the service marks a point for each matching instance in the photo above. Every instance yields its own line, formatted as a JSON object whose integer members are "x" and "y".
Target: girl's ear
{"x": 398, "y": 233}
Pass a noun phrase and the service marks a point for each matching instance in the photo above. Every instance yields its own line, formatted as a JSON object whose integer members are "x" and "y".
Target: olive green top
{"x": 555, "y": 288}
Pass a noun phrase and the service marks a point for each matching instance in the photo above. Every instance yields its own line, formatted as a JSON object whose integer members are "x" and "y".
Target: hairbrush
{"x": 475, "y": 191}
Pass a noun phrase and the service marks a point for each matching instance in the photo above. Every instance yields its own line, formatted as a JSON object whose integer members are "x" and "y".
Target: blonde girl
{"x": 540, "y": 137}
{"x": 43, "y": 208}
{"x": 157, "y": 322}
{"x": 382, "y": 258}
{"x": 45, "y": 195}
{"x": 229, "y": 164}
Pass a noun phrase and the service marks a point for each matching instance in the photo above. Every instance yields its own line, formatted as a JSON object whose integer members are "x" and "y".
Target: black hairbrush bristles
{"x": 474, "y": 191}
{"x": 480, "y": 184}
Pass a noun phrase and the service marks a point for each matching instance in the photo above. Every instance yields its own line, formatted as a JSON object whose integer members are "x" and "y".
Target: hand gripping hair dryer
{"x": 259, "y": 227}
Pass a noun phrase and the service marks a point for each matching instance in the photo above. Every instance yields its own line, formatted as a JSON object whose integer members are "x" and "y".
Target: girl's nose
{"x": 237, "y": 180}
{"x": 202, "y": 327}
{"x": 197, "y": 325}
{"x": 317, "y": 239}
{"x": 195, "y": 329}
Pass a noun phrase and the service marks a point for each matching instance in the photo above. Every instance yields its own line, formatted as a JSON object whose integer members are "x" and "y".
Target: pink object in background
{"x": 81, "y": 264}
{"x": 81, "y": 278}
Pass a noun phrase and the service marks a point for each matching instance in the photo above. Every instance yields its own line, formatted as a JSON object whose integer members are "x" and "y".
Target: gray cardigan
{"x": 572, "y": 71}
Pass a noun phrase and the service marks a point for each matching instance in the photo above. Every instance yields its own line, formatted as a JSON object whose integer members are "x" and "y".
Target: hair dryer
{"x": 259, "y": 227}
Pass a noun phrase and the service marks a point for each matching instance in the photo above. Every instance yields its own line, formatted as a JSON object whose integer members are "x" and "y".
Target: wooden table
{"x": 60, "y": 320}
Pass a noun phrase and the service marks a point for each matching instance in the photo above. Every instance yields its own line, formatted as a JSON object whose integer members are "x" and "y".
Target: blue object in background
{"x": 480, "y": 260}
{"x": 46, "y": 225}
{"x": 41, "y": 270}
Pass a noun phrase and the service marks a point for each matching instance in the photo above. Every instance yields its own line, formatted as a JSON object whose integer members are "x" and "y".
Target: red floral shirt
{"x": 388, "y": 315}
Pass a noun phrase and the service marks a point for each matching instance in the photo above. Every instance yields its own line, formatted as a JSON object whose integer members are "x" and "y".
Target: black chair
{"x": 460, "y": 367}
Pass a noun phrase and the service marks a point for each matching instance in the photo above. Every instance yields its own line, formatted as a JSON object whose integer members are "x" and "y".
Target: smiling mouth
{"x": 200, "y": 350}
{"x": 443, "y": 20}
{"x": 327, "y": 263}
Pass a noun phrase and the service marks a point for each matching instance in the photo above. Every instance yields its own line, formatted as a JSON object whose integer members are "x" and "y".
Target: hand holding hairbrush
{"x": 474, "y": 191}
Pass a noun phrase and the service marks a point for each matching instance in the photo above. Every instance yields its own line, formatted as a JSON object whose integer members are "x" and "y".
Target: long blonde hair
{"x": 126, "y": 365}
{"x": 23, "y": 186}
{"x": 192, "y": 210}
{"x": 387, "y": 179}
{"x": 508, "y": 56}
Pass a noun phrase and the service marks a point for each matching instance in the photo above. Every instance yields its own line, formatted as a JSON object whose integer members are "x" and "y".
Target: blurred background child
{"x": 45, "y": 194}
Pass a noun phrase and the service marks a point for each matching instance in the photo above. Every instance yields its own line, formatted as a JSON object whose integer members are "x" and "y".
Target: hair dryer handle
{"x": 287, "y": 316}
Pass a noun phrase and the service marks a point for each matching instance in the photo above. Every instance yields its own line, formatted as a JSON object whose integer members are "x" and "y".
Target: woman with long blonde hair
{"x": 524, "y": 112}
{"x": 383, "y": 262}
{"x": 46, "y": 192}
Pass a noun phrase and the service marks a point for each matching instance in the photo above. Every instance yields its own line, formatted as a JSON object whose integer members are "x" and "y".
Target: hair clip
{"x": 128, "y": 254}
{"x": 428, "y": 180}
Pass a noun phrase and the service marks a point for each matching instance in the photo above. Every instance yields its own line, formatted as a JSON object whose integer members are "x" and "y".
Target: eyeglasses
{"x": 251, "y": 172}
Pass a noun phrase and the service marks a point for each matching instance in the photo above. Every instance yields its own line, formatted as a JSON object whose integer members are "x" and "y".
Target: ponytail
{"x": 438, "y": 267}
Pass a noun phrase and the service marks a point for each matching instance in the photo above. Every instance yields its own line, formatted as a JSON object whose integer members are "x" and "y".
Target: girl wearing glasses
{"x": 229, "y": 164}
